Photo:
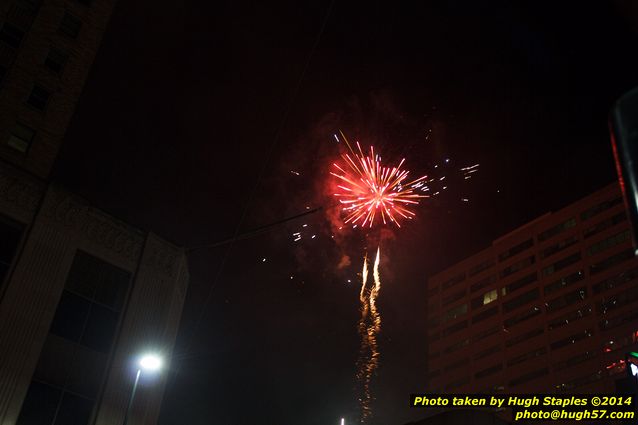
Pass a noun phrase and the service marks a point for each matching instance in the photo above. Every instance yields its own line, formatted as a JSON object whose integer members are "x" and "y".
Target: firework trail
{"x": 369, "y": 328}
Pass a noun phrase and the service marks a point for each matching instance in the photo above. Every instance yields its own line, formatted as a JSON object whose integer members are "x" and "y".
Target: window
{"x": 3, "y": 72}
{"x": 566, "y": 243}
{"x": 85, "y": 2}
{"x": 559, "y": 228}
{"x": 31, "y": 6}
{"x": 10, "y": 235}
{"x": 11, "y": 35}
{"x": 485, "y": 299}
{"x": 457, "y": 364}
{"x": 520, "y": 283}
{"x": 568, "y": 318}
{"x": 479, "y": 336}
{"x": 578, "y": 382}
{"x": 480, "y": 267}
{"x": 623, "y": 319}
{"x": 488, "y": 351}
{"x": 603, "y": 206}
{"x": 529, "y": 376}
{"x": 451, "y": 282}
{"x": 39, "y": 97}
{"x": 516, "y": 250}
{"x": 454, "y": 312}
{"x": 521, "y": 300}
{"x": 457, "y": 383}
{"x": 483, "y": 283}
{"x": 55, "y": 60}
{"x": 488, "y": 371}
{"x": 523, "y": 337}
{"x": 561, "y": 264}
{"x": 518, "y": 266}
{"x": 613, "y": 240}
{"x": 618, "y": 300}
{"x": 573, "y": 339}
{"x": 70, "y": 25}
{"x": 485, "y": 314}
{"x": 454, "y": 328}
{"x": 526, "y": 356}
{"x": 564, "y": 282}
{"x": 575, "y": 360}
{"x": 455, "y": 347}
{"x": 605, "y": 224}
{"x": 453, "y": 297}
{"x": 611, "y": 261}
{"x": 567, "y": 299}
{"x": 521, "y": 317}
{"x": 20, "y": 137}
{"x": 40, "y": 404}
{"x": 615, "y": 281}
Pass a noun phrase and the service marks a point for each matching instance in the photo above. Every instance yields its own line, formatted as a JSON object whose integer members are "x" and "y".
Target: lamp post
{"x": 149, "y": 363}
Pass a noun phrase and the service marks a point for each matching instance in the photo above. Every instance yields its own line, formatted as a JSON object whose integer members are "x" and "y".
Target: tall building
{"x": 81, "y": 292}
{"x": 549, "y": 307}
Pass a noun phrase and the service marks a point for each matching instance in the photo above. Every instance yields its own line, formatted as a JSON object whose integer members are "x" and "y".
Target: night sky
{"x": 195, "y": 114}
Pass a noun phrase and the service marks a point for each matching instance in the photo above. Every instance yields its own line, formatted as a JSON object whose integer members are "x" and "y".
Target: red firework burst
{"x": 370, "y": 190}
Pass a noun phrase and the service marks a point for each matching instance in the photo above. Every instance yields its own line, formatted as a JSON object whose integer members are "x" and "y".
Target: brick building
{"x": 549, "y": 307}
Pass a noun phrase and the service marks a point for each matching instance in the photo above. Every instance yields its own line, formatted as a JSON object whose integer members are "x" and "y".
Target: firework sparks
{"x": 369, "y": 190}
{"x": 369, "y": 328}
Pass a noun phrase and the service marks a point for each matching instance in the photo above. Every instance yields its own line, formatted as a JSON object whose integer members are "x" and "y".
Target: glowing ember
{"x": 370, "y": 190}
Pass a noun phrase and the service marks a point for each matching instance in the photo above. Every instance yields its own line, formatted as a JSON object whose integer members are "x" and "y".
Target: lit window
{"x": 490, "y": 296}
{"x": 21, "y": 137}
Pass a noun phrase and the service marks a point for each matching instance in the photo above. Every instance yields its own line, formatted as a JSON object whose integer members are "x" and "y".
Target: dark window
{"x": 85, "y": 2}
{"x": 526, "y": 356}
{"x": 456, "y": 365}
{"x": 627, "y": 297}
{"x": 615, "y": 281}
{"x": 611, "y": 261}
{"x": 74, "y": 410}
{"x": 520, "y": 283}
{"x": 453, "y": 281}
{"x": 70, "y": 25}
{"x": 564, "y": 244}
{"x": 39, "y": 97}
{"x": 603, "y": 206}
{"x": 521, "y": 317}
{"x": 529, "y": 376}
{"x": 567, "y": 299}
{"x": 488, "y": 351}
{"x": 613, "y": 240}
{"x": 454, "y": 312}
{"x": 577, "y": 382}
{"x": 614, "y": 322}
{"x": 573, "y": 339}
{"x": 488, "y": 371}
{"x": 523, "y": 337}
{"x": 39, "y": 405}
{"x": 453, "y": 297}
{"x": 457, "y": 383}
{"x": 483, "y": 283}
{"x": 520, "y": 265}
{"x": 455, "y": 347}
{"x": 480, "y": 267}
{"x": 55, "y": 60}
{"x": 559, "y": 228}
{"x": 485, "y": 314}
{"x": 516, "y": 249}
{"x": 605, "y": 224}
{"x": 454, "y": 328}
{"x": 575, "y": 360}
{"x": 479, "y": 336}
{"x": 11, "y": 35}
{"x": 21, "y": 137}
{"x": 3, "y": 72}
{"x": 10, "y": 235}
{"x": 564, "y": 282}
{"x": 70, "y": 316}
{"x": 30, "y": 6}
{"x": 521, "y": 300}
{"x": 568, "y": 318}
{"x": 561, "y": 264}
{"x": 100, "y": 328}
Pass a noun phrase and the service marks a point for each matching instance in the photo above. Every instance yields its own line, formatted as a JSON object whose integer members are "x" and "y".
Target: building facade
{"x": 81, "y": 292}
{"x": 549, "y": 307}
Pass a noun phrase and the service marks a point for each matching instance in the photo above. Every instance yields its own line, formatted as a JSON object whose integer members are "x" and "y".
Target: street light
{"x": 149, "y": 363}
